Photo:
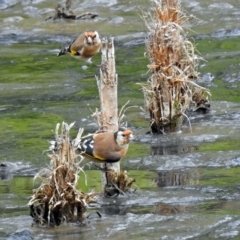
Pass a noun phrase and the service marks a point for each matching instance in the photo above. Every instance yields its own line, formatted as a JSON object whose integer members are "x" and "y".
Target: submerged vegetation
{"x": 65, "y": 12}
{"x": 170, "y": 90}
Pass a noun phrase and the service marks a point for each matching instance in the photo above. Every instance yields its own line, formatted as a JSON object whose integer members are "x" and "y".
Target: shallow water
{"x": 187, "y": 182}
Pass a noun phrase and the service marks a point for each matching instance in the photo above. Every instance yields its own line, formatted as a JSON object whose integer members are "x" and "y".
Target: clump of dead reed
{"x": 171, "y": 89}
{"x": 118, "y": 183}
{"x": 57, "y": 200}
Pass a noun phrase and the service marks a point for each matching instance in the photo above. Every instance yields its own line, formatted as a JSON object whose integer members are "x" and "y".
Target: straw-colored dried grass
{"x": 170, "y": 90}
{"x": 57, "y": 200}
{"x": 118, "y": 183}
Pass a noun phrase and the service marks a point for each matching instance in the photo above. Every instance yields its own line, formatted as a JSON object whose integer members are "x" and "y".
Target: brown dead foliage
{"x": 171, "y": 89}
{"x": 57, "y": 200}
{"x": 118, "y": 183}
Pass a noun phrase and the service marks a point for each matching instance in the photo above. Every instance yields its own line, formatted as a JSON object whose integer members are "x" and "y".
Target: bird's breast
{"x": 89, "y": 51}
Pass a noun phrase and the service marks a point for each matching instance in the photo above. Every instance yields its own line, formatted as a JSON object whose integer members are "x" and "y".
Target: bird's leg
{"x": 118, "y": 189}
{"x": 102, "y": 169}
{"x": 111, "y": 188}
{"x": 103, "y": 66}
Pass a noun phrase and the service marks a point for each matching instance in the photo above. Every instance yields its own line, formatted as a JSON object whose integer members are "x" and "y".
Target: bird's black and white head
{"x": 123, "y": 137}
{"x": 92, "y": 38}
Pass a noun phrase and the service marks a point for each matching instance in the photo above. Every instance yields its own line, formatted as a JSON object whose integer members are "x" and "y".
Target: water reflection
{"x": 5, "y": 174}
{"x": 172, "y": 149}
{"x": 167, "y": 178}
{"x": 115, "y": 209}
{"x": 168, "y": 209}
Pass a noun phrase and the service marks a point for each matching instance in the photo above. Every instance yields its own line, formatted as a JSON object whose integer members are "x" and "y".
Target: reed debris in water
{"x": 171, "y": 89}
{"x": 57, "y": 200}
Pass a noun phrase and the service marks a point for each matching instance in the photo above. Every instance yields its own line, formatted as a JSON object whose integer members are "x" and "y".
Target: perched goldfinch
{"x": 85, "y": 46}
{"x": 106, "y": 147}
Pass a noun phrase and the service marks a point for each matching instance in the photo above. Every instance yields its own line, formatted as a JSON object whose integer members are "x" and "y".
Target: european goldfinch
{"x": 106, "y": 147}
{"x": 85, "y": 46}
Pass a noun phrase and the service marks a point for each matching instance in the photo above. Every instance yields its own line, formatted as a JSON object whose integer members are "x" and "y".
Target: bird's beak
{"x": 89, "y": 40}
{"x": 131, "y": 137}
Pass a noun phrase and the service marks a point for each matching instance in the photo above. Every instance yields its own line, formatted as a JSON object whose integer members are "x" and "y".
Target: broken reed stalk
{"x": 114, "y": 181}
{"x": 170, "y": 91}
{"x": 57, "y": 200}
{"x": 108, "y": 117}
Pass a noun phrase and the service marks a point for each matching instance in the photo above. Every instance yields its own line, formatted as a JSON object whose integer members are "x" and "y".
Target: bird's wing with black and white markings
{"x": 86, "y": 146}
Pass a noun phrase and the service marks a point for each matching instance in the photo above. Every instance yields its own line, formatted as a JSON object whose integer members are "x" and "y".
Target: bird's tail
{"x": 62, "y": 52}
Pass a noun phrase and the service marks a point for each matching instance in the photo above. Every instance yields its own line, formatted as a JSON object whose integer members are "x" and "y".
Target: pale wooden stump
{"x": 108, "y": 117}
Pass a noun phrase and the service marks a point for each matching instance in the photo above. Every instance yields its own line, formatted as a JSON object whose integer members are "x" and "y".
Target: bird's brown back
{"x": 108, "y": 146}
{"x": 77, "y": 43}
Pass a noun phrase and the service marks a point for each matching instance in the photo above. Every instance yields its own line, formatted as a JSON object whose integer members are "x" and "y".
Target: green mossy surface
{"x": 220, "y": 145}
{"x": 222, "y": 57}
{"x": 220, "y": 177}
{"x": 34, "y": 79}
{"x": 22, "y": 186}
{"x": 215, "y": 45}
{"x": 221, "y": 180}
{"x": 39, "y": 90}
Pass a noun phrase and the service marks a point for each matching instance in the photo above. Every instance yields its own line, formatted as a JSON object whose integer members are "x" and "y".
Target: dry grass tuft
{"x": 57, "y": 200}
{"x": 170, "y": 90}
{"x": 120, "y": 183}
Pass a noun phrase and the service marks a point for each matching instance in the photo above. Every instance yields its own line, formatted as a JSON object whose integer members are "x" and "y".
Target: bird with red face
{"x": 106, "y": 147}
{"x": 84, "y": 47}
